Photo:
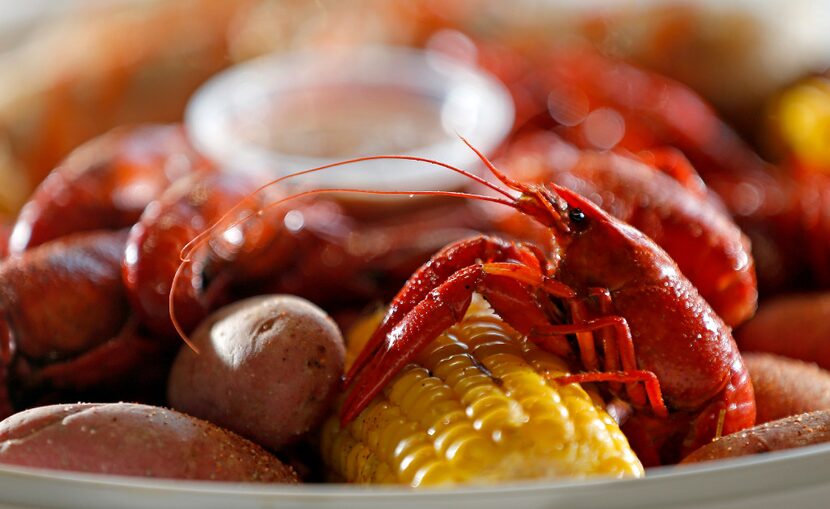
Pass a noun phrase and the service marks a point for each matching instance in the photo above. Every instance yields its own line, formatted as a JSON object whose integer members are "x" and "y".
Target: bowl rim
{"x": 778, "y": 461}
{"x": 210, "y": 109}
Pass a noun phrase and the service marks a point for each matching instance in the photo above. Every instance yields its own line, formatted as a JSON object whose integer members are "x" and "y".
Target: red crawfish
{"x": 605, "y": 296}
{"x": 314, "y": 248}
{"x": 601, "y": 103}
{"x": 105, "y": 183}
{"x": 658, "y": 193}
{"x": 598, "y": 102}
{"x": 65, "y": 326}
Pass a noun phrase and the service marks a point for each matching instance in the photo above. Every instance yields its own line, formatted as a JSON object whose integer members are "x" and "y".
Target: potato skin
{"x": 785, "y": 387}
{"x": 133, "y": 439}
{"x": 268, "y": 368}
{"x": 788, "y": 433}
{"x": 794, "y": 326}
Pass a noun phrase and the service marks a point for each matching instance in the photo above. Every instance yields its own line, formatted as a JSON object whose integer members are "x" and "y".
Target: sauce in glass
{"x": 339, "y": 122}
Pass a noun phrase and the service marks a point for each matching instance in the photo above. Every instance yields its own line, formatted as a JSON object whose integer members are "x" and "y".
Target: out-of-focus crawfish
{"x": 315, "y": 248}
{"x": 67, "y": 327}
{"x": 797, "y": 325}
{"x": 670, "y": 204}
{"x": 150, "y": 178}
{"x": 600, "y": 103}
{"x": 105, "y": 183}
{"x": 606, "y": 297}
{"x": 799, "y": 232}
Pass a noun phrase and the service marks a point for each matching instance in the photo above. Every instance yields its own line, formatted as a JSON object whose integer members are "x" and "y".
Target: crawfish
{"x": 672, "y": 207}
{"x": 597, "y": 103}
{"x": 105, "y": 183}
{"x": 65, "y": 325}
{"x": 606, "y": 297}
{"x": 600, "y": 103}
{"x": 315, "y": 248}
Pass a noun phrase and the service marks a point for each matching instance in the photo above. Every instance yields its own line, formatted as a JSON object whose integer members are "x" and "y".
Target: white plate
{"x": 794, "y": 479}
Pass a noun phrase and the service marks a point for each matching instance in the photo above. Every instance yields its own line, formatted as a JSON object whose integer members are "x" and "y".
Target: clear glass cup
{"x": 289, "y": 112}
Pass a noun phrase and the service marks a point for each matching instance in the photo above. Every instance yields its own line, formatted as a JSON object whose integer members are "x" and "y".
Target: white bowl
{"x": 796, "y": 479}
{"x": 233, "y": 115}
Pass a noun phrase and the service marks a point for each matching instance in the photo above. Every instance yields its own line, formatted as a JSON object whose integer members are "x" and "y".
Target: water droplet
{"x": 294, "y": 220}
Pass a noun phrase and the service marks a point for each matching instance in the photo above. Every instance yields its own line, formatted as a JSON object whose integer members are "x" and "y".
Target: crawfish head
{"x": 675, "y": 333}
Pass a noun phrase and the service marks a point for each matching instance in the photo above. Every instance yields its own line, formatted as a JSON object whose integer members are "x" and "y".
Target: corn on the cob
{"x": 477, "y": 406}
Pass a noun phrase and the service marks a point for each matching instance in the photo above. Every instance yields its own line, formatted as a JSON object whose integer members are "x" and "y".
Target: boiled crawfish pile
{"x": 91, "y": 258}
{"x": 625, "y": 235}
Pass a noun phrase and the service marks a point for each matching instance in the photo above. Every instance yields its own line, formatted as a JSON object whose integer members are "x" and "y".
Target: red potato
{"x": 795, "y": 431}
{"x": 785, "y": 387}
{"x": 131, "y": 439}
{"x": 268, "y": 368}
{"x": 796, "y": 326}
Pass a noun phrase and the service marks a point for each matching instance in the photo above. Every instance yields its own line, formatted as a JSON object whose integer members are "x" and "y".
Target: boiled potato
{"x": 267, "y": 368}
{"x": 132, "y": 439}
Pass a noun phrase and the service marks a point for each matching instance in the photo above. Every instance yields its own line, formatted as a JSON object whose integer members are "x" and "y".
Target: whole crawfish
{"x": 606, "y": 297}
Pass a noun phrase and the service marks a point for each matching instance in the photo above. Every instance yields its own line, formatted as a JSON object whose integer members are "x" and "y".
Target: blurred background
{"x": 70, "y": 70}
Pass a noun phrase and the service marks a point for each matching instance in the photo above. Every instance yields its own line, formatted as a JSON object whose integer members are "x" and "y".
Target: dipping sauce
{"x": 337, "y": 122}
{"x": 284, "y": 113}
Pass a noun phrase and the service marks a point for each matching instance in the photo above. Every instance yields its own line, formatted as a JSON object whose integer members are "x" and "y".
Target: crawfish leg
{"x": 614, "y": 346}
{"x": 585, "y": 339}
{"x": 518, "y": 304}
{"x": 618, "y": 349}
{"x": 587, "y": 348}
{"x": 648, "y": 378}
{"x": 437, "y": 271}
{"x": 629, "y": 362}
{"x": 609, "y": 342}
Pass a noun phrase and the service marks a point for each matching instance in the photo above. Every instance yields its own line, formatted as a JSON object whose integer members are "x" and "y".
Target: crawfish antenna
{"x": 504, "y": 179}
{"x": 171, "y": 304}
{"x": 203, "y": 237}
{"x": 197, "y": 240}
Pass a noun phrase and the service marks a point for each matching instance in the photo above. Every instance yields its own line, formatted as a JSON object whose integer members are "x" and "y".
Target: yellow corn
{"x": 477, "y": 406}
{"x": 803, "y": 115}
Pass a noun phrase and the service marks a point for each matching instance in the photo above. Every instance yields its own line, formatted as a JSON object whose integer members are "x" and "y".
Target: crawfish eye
{"x": 577, "y": 217}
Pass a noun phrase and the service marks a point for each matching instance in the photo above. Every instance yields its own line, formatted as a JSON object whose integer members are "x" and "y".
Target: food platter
{"x": 795, "y": 478}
